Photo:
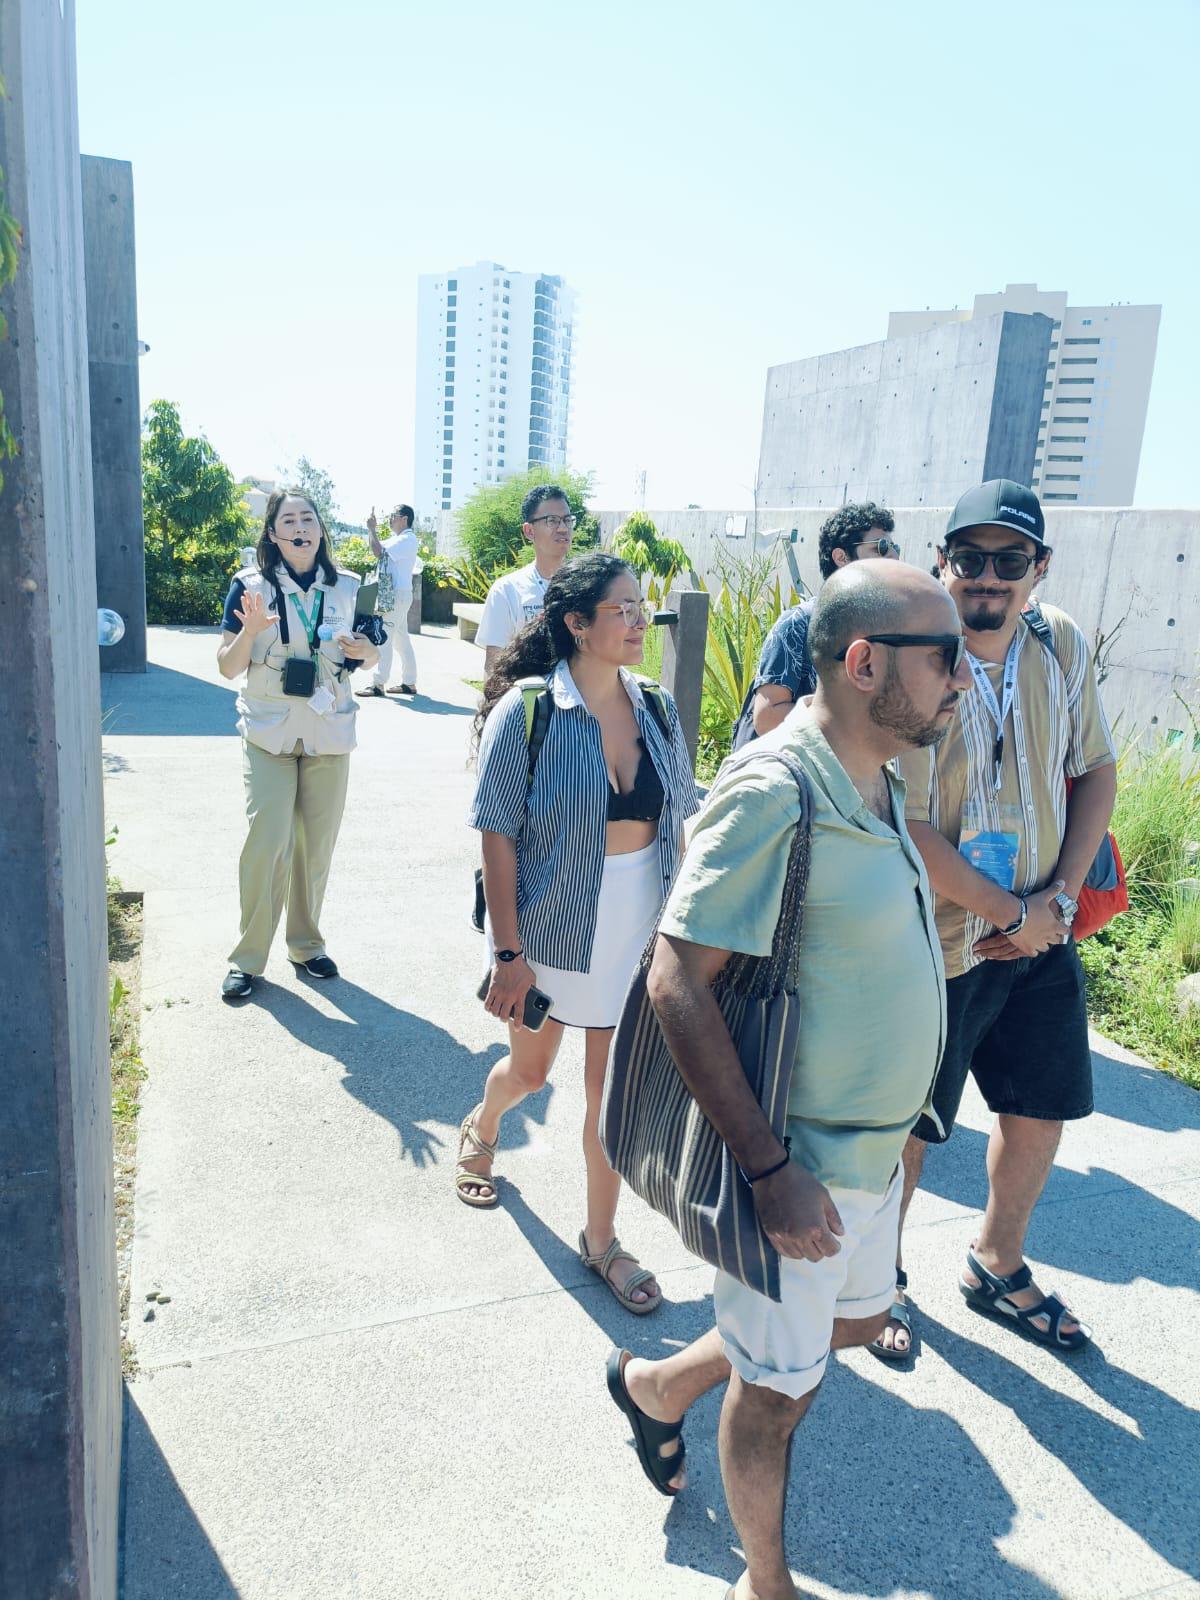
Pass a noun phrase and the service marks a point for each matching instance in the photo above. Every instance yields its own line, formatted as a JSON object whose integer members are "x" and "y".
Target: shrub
{"x": 195, "y": 598}
{"x": 355, "y": 554}
{"x": 740, "y": 615}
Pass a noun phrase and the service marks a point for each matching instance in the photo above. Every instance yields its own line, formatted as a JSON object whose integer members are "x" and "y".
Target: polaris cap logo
{"x": 1025, "y": 516}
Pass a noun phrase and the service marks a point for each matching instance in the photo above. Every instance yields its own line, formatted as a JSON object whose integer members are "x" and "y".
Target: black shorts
{"x": 1020, "y": 1027}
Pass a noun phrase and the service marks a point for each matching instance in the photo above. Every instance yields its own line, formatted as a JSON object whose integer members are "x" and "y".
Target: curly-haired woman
{"x": 579, "y": 848}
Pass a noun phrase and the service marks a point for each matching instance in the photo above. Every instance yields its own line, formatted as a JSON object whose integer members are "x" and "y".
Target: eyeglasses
{"x": 555, "y": 522}
{"x": 632, "y": 611}
{"x": 952, "y": 645}
{"x": 1010, "y": 566}
{"x": 881, "y": 546}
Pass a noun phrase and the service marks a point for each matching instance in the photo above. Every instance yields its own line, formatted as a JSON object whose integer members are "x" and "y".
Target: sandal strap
{"x": 901, "y": 1278}
{"x": 898, "y": 1312}
{"x": 634, "y": 1281}
{"x": 1053, "y": 1309}
{"x": 996, "y": 1287}
{"x": 468, "y": 1135}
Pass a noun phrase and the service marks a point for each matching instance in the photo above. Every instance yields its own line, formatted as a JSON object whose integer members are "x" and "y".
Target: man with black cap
{"x": 1007, "y": 849}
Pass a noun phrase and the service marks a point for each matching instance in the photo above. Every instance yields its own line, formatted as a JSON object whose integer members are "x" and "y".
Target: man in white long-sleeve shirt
{"x": 397, "y": 557}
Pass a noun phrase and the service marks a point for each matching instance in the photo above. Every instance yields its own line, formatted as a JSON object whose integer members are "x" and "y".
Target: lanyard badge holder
{"x": 300, "y": 672}
{"x": 990, "y": 838}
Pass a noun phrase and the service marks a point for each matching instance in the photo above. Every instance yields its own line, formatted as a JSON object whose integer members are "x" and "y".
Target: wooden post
{"x": 683, "y": 658}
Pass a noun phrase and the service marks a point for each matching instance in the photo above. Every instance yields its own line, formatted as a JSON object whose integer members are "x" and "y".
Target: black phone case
{"x": 537, "y": 1004}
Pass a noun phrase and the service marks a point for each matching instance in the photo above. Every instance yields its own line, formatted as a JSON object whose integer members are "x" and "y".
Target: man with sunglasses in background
{"x": 785, "y": 673}
{"x": 518, "y": 597}
{"x": 1007, "y": 849}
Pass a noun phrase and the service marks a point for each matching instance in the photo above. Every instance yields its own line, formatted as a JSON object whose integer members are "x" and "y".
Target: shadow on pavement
{"x": 1154, "y": 1239}
{"x": 1143, "y": 1475}
{"x": 645, "y": 1336}
{"x": 402, "y": 1067}
{"x": 429, "y": 706}
{"x": 1143, "y": 1096}
{"x": 852, "y": 1522}
{"x": 164, "y": 1550}
{"x": 163, "y": 702}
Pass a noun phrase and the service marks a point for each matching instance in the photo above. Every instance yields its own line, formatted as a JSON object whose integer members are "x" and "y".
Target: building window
{"x": 445, "y": 479}
{"x": 1077, "y": 380}
{"x": 1054, "y": 344}
{"x": 452, "y": 283}
{"x": 1087, "y": 322}
{"x": 449, "y": 405}
{"x": 449, "y": 389}
{"x": 1060, "y": 497}
{"x": 1082, "y": 341}
{"x": 451, "y": 344}
{"x": 448, "y": 434}
{"x": 1080, "y": 361}
{"x": 1064, "y": 458}
{"x": 1068, "y": 438}
{"x": 1057, "y": 325}
{"x": 452, "y": 300}
{"x": 452, "y": 316}
{"x": 449, "y": 362}
{"x": 1062, "y": 477}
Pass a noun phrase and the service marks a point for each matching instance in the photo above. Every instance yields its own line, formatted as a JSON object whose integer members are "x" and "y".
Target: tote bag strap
{"x": 763, "y": 977}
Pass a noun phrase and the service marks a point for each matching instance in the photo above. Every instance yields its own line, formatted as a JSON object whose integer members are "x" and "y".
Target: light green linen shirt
{"x": 871, "y": 986}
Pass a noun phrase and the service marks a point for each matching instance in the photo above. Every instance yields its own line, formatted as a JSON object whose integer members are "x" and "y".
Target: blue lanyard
{"x": 998, "y": 710}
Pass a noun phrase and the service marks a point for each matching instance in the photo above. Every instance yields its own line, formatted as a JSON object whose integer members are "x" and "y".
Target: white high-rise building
{"x": 494, "y": 358}
{"x": 1096, "y": 392}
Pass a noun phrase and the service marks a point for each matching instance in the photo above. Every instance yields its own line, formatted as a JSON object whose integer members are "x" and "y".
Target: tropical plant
{"x": 195, "y": 521}
{"x": 747, "y": 605}
{"x": 640, "y": 545}
{"x": 489, "y": 524}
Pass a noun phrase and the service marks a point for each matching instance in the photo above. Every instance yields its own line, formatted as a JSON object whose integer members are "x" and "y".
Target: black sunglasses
{"x": 1010, "y": 566}
{"x": 952, "y": 645}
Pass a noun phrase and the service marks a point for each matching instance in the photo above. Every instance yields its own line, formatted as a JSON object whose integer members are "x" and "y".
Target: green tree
{"x": 316, "y": 484}
{"x": 195, "y": 521}
{"x": 638, "y": 542}
{"x": 489, "y": 524}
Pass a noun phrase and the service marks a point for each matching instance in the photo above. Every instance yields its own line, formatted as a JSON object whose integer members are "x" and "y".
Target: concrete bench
{"x": 469, "y": 616}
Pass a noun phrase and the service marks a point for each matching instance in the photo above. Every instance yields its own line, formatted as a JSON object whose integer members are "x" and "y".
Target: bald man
{"x": 887, "y": 645}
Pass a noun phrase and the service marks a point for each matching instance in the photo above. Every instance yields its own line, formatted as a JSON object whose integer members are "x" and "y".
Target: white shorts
{"x": 785, "y": 1345}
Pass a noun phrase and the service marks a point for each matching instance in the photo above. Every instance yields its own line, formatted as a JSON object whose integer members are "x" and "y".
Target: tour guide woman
{"x": 576, "y": 864}
{"x": 288, "y": 626}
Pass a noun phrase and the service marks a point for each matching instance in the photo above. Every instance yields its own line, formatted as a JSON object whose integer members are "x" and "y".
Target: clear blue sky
{"x": 727, "y": 187}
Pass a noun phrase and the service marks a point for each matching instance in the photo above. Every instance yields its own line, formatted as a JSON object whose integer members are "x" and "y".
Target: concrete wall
{"x": 60, "y": 1397}
{"x": 1130, "y": 578}
{"x": 112, "y": 337}
{"x": 908, "y": 421}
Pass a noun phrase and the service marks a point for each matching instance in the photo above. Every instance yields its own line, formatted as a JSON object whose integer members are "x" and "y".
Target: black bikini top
{"x": 644, "y": 802}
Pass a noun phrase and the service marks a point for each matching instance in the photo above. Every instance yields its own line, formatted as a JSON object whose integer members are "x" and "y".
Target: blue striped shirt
{"x": 560, "y": 824}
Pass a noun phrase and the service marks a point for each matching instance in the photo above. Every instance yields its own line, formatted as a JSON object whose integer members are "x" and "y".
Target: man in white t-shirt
{"x": 398, "y": 552}
{"x": 518, "y": 597}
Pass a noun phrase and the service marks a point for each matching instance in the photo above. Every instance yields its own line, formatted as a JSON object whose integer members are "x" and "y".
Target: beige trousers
{"x": 294, "y": 804}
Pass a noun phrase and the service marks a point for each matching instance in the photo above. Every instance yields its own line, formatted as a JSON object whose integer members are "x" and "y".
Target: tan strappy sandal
{"x": 463, "y": 1177}
{"x": 602, "y": 1265}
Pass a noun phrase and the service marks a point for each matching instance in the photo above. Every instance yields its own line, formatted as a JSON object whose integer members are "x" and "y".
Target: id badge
{"x": 321, "y": 701}
{"x": 992, "y": 843}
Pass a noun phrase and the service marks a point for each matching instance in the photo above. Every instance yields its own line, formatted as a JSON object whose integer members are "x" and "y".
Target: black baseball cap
{"x": 999, "y": 503}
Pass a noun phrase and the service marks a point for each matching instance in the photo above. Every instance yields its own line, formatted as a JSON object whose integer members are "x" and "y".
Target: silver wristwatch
{"x": 1066, "y": 907}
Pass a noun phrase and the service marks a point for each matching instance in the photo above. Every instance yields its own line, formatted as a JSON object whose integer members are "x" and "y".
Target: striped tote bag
{"x": 653, "y": 1131}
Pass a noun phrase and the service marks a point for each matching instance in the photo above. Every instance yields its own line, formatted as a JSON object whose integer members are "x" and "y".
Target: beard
{"x": 987, "y": 617}
{"x": 893, "y": 710}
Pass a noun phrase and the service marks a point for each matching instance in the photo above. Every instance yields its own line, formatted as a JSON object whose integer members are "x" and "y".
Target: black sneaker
{"x": 318, "y": 967}
{"x": 237, "y": 984}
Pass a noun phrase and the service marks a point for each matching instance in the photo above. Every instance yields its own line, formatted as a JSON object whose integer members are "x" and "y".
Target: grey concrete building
{"x": 908, "y": 421}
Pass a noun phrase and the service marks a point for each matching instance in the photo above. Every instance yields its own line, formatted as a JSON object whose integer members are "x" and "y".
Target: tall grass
{"x": 1134, "y": 965}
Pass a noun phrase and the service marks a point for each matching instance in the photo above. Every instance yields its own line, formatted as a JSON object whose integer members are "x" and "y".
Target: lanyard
{"x": 311, "y": 618}
{"x": 998, "y": 710}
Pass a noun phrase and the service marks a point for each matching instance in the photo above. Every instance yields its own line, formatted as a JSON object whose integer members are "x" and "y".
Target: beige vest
{"x": 274, "y": 721}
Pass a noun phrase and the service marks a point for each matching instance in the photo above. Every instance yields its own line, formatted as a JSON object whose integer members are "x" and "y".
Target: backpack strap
{"x": 1035, "y": 620}
{"x": 539, "y": 705}
{"x": 656, "y": 699}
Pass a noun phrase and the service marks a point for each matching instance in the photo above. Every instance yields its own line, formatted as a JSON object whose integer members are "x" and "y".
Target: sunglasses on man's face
{"x": 881, "y": 546}
{"x": 952, "y": 645}
{"x": 1010, "y": 566}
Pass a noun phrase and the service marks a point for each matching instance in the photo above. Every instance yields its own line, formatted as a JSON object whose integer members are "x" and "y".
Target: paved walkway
{"x": 362, "y": 1389}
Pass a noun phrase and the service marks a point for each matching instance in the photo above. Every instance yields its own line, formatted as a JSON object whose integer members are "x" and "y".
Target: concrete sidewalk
{"x": 362, "y": 1389}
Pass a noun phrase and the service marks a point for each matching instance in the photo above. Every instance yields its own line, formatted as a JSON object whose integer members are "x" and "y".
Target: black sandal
{"x": 649, "y": 1435}
{"x": 899, "y": 1312}
{"x": 992, "y": 1298}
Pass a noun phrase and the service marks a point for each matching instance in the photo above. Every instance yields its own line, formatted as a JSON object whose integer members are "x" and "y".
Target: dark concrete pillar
{"x": 108, "y": 260}
{"x": 60, "y": 1386}
{"x": 683, "y": 659}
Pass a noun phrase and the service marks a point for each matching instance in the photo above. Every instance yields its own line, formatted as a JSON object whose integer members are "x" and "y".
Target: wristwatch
{"x": 1015, "y": 927}
{"x": 508, "y": 955}
{"x": 1066, "y": 907}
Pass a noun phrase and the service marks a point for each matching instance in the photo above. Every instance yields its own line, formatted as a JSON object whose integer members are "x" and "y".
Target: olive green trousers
{"x": 294, "y": 804}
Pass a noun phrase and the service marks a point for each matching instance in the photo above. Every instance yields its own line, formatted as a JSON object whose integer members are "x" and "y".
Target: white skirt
{"x": 630, "y": 899}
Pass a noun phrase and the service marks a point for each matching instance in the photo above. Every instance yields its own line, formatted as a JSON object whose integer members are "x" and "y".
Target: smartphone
{"x": 537, "y": 1004}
